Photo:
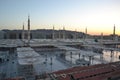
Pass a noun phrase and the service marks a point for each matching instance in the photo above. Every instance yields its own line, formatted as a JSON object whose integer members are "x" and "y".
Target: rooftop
{"x": 94, "y": 72}
{"x": 27, "y": 55}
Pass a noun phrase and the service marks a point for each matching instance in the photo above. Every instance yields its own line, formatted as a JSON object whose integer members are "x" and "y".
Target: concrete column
{"x": 51, "y": 63}
{"x": 71, "y": 56}
{"x": 83, "y": 57}
{"x": 112, "y": 56}
{"x": 90, "y": 59}
{"x": 101, "y": 57}
{"x": 79, "y": 55}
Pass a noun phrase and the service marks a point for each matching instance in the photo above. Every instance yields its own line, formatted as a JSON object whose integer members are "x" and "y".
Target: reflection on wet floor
{"x": 46, "y": 56}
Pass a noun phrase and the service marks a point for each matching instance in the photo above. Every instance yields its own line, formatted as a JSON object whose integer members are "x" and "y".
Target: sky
{"x": 99, "y": 16}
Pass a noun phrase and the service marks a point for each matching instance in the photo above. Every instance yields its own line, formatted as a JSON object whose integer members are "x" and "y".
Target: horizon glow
{"x": 99, "y": 16}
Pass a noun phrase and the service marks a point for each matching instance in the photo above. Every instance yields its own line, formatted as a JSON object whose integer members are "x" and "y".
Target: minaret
{"x": 53, "y": 34}
{"x": 86, "y": 30}
{"x": 114, "y": 32}
{"x": 86, "y": 33}
{"x": 59, "y": 34}
{"x": 28, "y": 29}
{"x": 101, "y": 41}
{"x": 23, "y": 33}
{"x": 63, "y": 32}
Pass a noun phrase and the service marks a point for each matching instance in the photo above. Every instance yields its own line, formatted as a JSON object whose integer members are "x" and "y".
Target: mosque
{"x": 57, "y": 55}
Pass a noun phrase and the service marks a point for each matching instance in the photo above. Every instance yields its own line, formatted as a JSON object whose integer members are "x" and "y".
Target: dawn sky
{"x": 97, "y": 15}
